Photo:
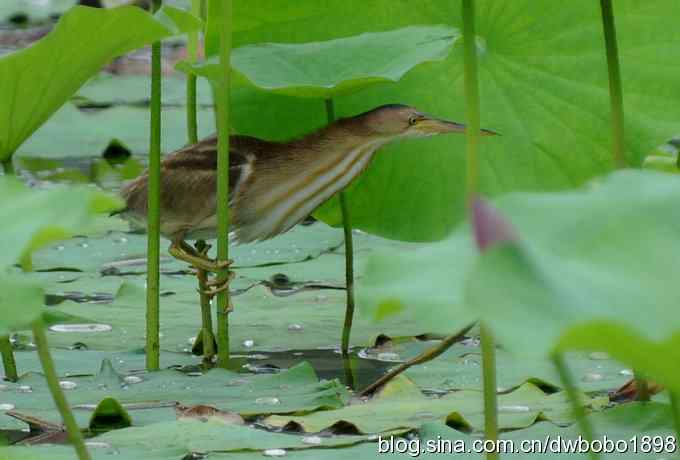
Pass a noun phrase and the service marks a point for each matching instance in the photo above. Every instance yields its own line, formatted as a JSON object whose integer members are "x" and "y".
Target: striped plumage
{"x": 272, "y": 185}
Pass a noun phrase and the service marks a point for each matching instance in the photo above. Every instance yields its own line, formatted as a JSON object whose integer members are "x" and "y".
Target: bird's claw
{"x": 218, "y": 284}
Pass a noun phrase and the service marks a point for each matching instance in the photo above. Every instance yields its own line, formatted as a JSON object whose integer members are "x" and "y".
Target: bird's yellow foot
{"x": 182, "y": 251}
{"x": 219, "y": 284}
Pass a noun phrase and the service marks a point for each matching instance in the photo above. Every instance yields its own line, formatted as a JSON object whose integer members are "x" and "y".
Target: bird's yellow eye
{"x": 412, "y": 120}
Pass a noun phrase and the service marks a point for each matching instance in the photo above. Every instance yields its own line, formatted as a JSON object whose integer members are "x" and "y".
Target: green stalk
{"x": 192, "y": 55}
{"x": 8, "y": 362}
{"x": 489, "y": 387}
{"x": 675, "y": 406}
{"x": 153, "y": 213}
{"x": 208, "y": 339}
{"x": 349, "y": 252}
{"x": 471, "y": 99}
{"x": 222, "y": 103}
{"x": 573, "y": 395}
{"x": 615, "y": 92}
{"x": 8, "y": 166}
{"x": 74, "y": 434}
{"x": 472, "y": 181}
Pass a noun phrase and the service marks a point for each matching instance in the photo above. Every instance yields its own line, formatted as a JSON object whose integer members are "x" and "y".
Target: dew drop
{"x": 59, "y": 248}
{"x": 6, "y": 406}
{"x": 80, "y": 328}
{"x": 514, "y": 409}
{"x": 388, "y": 356}
{"x": 268, "y": 400}
{"x": 132, "y": 379}
{"x": 315, "y": 440}
{"x": 249, "y": 343}
{"x": 626, "y": 372}
{"x": 191, "y": 340}
{"x": 274, "y": 453}
{"x": 25, "y": 389}
{"x": 295, "y": 327}
{"x": 67, "y": 385}
{"x": 97, "y": 444}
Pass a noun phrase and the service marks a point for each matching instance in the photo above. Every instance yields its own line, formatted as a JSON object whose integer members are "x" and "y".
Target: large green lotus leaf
{"x": 401, "y": 405}
{"x": 331, "y": 68}
{"x": 37, "y": 80}
{"x": 422, "y": 287}
{"x": 73, "y": 133}
{"x": 623, "y": 422}
{"x": 543, "y": 85}
{"x": 20, "y": 302}
{"x": 296, "y": 390}
{"x": 35, "y": 218}
{"x": 592, "y": 267}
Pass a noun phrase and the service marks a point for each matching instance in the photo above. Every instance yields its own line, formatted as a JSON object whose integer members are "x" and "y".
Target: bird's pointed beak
{"x": 431, "y": 126}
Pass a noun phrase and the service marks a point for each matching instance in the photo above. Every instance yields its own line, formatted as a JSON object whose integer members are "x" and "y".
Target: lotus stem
{"x": 577, "y": 407}
{"x": 471, "y": 99}
{"x": 192, "y": 55}
{"x": 207, "y": 336}
{"x": 153, "y": 213}
{"x": 490, "y": 388}
{"x": 349, "y": 252}
{"x": 427, "y": 355}
{"x": 72, "y": 429}
{"x": 222, "y": 104}
{"x": 8, "y": 361}
{"x": 615, "y": 92}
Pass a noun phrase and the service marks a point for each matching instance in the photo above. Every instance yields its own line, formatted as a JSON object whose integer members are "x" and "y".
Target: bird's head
{"x": 397, "y": 120}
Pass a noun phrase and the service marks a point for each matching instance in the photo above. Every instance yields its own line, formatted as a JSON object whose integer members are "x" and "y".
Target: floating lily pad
{"x": 401, "y": 406}
{"x": 56, "y": 72}
{"x": 151, "y": 398}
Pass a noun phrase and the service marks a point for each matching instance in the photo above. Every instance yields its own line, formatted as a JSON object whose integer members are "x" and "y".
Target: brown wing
{"x": 189, "y": 184}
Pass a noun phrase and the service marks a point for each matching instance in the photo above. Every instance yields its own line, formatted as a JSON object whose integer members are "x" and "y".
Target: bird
{"x": 272, "y": 185}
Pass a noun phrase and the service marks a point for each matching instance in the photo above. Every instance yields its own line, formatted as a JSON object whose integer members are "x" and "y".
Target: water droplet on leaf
{"x": 132, "y": 379}
{"x": 314, "y": 440}
{"x": 269, "y": 400}
{"x": 514, "y": 408}
{"x": 274, "y": 453}
{"x": 67, "y": 385}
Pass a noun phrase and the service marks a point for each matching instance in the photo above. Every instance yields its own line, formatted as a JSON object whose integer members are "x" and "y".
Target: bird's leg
{"x": 179, "y": 249}
{"x": 207, "y": 336}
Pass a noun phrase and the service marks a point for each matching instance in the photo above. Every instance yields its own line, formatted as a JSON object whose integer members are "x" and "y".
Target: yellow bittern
{"x": 272, "y": 185}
